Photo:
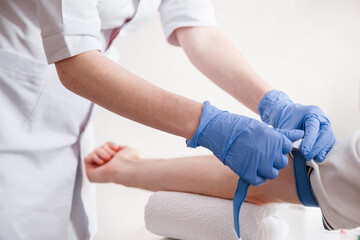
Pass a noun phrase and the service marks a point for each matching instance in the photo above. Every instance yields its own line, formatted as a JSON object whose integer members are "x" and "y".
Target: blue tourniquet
{"x": 303, "y": 187}
{"x": 239, "y": 197}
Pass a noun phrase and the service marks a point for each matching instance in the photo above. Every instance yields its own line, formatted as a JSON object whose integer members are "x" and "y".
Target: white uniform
{"x": 43, "y": 127}
{"x": 336, "y": 184}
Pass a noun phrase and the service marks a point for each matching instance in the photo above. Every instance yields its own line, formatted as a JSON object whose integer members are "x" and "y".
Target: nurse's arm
{"x": 218, "y": 58}
{"x": 104, "y": 82}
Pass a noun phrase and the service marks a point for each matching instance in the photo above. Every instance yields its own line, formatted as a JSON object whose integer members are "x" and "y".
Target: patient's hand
{"x": 110, "y": 163}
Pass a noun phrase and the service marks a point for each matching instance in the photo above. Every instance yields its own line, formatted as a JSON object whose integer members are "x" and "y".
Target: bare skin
{"x": 97, "y": 78}
{"x": 102, "y": 81}
{"x": 223, "y": 64}
{"x": 201, "y": 175}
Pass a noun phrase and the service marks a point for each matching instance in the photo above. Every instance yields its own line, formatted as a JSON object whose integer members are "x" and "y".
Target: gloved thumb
{"x": 292, "y": 135}
{"x": 287, "y": 145}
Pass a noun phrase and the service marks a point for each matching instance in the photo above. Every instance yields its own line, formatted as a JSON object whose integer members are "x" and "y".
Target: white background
{"x": 309, "y": 49}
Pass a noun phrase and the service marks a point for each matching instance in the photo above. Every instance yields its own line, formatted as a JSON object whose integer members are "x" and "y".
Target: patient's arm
{"x": 199, "y": 174}
{"x": 207, "y": 176}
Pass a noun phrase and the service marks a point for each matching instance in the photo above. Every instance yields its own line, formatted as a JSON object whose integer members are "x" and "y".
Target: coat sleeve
{"x": 68, "y": 27}
{"x": 185, "y": 13}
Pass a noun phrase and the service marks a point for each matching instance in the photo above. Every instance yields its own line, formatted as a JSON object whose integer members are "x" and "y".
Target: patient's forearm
{"x": 204, "y": 175}
{"x": 207, "y": 176}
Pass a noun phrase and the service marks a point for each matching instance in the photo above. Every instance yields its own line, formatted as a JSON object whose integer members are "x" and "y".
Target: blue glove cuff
{"x": 209, "y": 112}
{"x": 271, "y": 106}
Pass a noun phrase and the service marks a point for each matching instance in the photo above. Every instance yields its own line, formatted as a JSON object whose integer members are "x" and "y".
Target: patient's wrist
{"x": 125, "y": 172}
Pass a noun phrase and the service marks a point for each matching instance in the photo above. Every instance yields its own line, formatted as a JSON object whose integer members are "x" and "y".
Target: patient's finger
{"x": 96, "y": 159}
{"x": 115, "y": 146}
{"x": 108, "y": 150}
{"x": 102, "y": 154}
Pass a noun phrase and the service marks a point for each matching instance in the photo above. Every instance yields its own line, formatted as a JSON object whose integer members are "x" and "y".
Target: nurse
{"x": 46, "y": 129}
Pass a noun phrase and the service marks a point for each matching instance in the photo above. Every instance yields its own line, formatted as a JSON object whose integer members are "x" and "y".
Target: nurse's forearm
{"x": 95, "y": 77}
{"x": 218, "y": 58}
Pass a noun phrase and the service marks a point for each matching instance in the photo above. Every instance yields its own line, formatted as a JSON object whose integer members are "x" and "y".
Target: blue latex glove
{"x": 278, "y": 110}
{"x": 253, "y": 150}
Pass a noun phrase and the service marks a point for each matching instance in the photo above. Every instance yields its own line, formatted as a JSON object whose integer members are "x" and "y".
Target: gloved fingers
{"x": 312, "y": 128}
{"x": 255, "y": 180}
{"x": 268, "y": 172}
{"x": 323, "y": 144}
{"x": 321, "y": 156}
{"x": 251, "y": 175}
{"x": 274, "y": 174}
{"x": 292, "y": 135}
{"x": 287, "y": 145}
{"x": 281, "y": 162}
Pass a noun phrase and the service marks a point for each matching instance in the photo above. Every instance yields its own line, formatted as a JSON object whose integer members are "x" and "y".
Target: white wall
{"x": 309, "y": 49}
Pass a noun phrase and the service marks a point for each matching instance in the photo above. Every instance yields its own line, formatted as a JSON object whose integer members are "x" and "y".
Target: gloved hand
{"x": 278, "y": 110}
{"x": 253, "y": 150}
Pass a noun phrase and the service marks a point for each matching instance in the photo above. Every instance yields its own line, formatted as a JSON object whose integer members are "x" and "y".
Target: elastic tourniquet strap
{"x": 303, "y": 187}
{"x": 239, "y": 197}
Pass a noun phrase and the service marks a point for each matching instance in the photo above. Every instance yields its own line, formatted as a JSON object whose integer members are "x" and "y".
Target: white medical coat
{"x": 45, "y": 130}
